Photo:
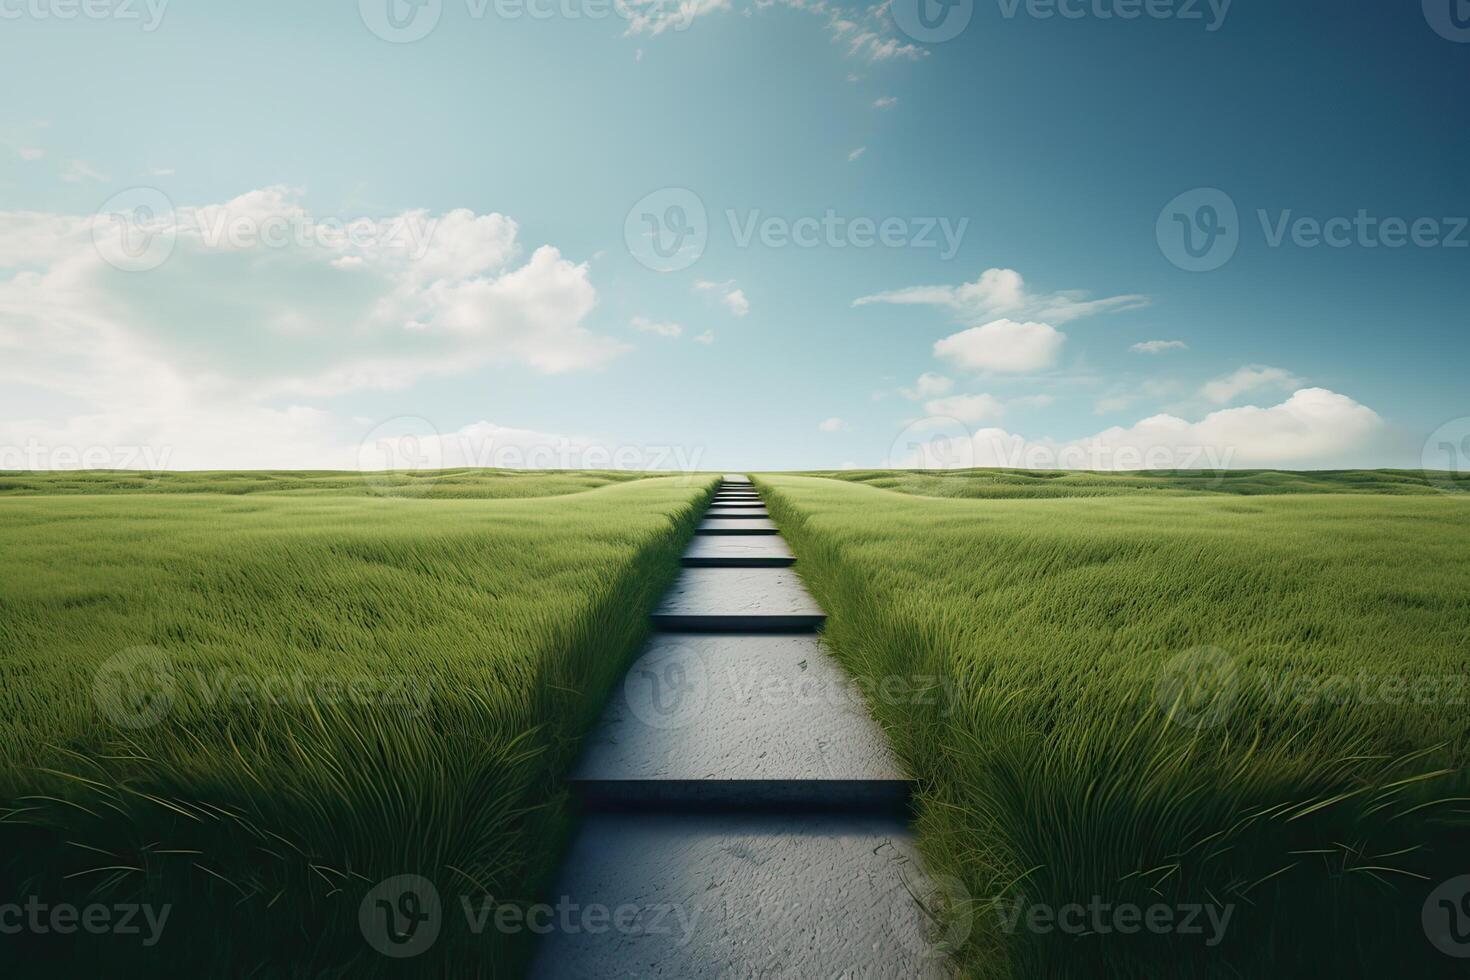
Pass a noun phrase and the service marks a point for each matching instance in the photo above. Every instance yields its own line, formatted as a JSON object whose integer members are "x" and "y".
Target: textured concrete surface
{"x": 730, "y": 513}
{"x": 749, "y": 525}
{"x": 764, "y": 550}
{"x": 741, "y": 895}
{"x": 736, "y": 478}
{"x": 736, "y": 598}
{"x": 766, "y": 709}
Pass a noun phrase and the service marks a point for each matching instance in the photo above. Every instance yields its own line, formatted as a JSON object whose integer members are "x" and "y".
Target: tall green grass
{"x": 1136, "y": 703}
{"x": 352, "y": 688}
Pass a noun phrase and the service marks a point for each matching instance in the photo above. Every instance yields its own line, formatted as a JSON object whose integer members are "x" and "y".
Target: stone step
{"x": 727, "y": 504}
{"x": 734, "y": 513}
{"x": 736, "y": 478}
{"x": 738, "y": 720}
{"x": 738, "y": 599}
{"x": 745, "y": 525}
{"x": 737, "y": 550}
{"x": 705, "y": 896}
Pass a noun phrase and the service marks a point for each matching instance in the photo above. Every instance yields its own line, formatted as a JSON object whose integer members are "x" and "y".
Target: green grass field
{"x": 1163, "y": 697}
{"x": 257, "y": 707}
{"x": 993, "y": 483}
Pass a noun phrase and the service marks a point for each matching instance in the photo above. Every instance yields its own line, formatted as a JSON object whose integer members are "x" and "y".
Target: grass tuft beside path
{"x": 256, "y": 708}
{"x": 1256, "y": 703}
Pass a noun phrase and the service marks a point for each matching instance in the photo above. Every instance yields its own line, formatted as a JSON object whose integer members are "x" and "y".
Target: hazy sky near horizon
{"x": 729, "y": 235}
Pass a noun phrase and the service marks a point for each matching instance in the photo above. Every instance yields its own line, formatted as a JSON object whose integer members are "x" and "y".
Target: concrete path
{"x": 745, "y": 816}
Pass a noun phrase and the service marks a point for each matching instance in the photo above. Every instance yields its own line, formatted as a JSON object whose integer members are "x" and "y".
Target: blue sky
{"x": 1035, "y": 176}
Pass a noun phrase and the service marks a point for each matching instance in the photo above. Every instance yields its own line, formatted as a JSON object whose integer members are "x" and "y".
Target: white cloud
{"x": 708, "y": 337}
{"x": 833, "y": 424}
{"x": 732, "y": 296}
{"x": 1003, "y": 293}
{"x": 31, "y": 153}
{"x": 1159, "y": 346}
{"x": 78, "y": 171}
{"x": 856, "y": 153}
{"x": 1314, "y": 427}
{"x": 868, "y": 33}
{"x": 160, "y": 172}
{"x": 885, "y": 102}
{"x": 1249, "y": 378}
{"x": 1003, "y": 346}
{"x": 967, "y": 408}
{"x": 214, "y": 350}
{"x": 929, "y": 385}
{"x": 644, "y": 325}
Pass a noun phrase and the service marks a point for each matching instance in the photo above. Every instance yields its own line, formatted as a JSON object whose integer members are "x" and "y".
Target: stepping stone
{"x": 724, "y": 497}
{"x": 745, "y": 525}
{"x": 735, "y": 513}
{"x": 738, "y": 599}
{"x": 741, "y": 895}
{"x": 757, "y": 502}
{"x": 731, "y": 550}
{"x": 739, "y": 720}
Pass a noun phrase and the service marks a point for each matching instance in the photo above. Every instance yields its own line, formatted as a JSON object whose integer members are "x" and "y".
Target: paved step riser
{"x": 744, "y": 895}
{"x": 735, "y": 515}
{"x": 715, "y": 623}
{"x": 891, "y": 797}
{"x": 738, "y": 551}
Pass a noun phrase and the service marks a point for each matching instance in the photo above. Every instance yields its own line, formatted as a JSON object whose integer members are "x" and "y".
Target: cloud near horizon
{"x": 259, "y": 308}
{"x": 1313, "y": 426}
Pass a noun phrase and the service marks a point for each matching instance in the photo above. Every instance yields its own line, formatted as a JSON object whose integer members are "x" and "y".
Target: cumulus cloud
{"x": 708, "y": 337}
{"x": 257, "y": 307}
{"x": 967, "y": 408}
{"x": 1249, "y": 378}
{"x": 1158, "y": 346}
{"x": 728, "y": 293}
{"x": 644, "y": 325}
{"x": 1002, "y": 293}
{"x": 929, "y": 385}
{"x": 1003, "y": 346}
{"x": 1314, "y": 427}
{"x": 885, "y": 102}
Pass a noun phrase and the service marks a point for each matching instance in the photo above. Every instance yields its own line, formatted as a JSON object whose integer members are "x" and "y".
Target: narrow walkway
{"x": 745, "y": 817}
